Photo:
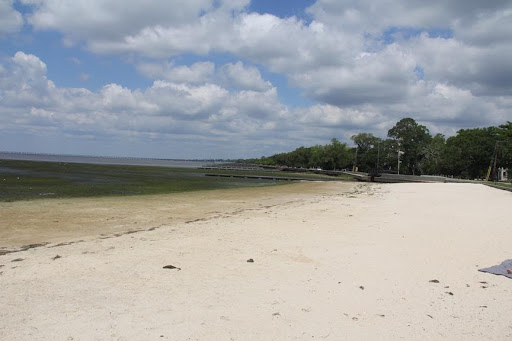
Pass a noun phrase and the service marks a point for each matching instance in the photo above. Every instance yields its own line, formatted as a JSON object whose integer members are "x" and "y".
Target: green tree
{"x": 331, "y": 156}
{"x": 338, "y": 154}
{"x": 299, "y": 157}
{"x": 505, "y": 145}
{"x": 367, "y": 150}
{"x": 412, "y": 139}
{"x": 469, "y": 153}
{"x": 432, "y": 162}
{"x": 388, "y": 155}
{"x": 315, "y": 157}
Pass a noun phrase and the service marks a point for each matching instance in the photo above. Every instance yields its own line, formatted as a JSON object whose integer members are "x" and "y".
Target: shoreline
{"x": 329, "y": 261}
{"x": 62, "y": 220}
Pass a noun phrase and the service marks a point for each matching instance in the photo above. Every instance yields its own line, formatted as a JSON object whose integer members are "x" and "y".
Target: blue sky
{"x": 240, "y": 78}
{"x": 283, "y": 9}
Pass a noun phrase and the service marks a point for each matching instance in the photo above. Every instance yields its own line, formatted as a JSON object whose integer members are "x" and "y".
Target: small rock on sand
{"x": 171, "y": 267}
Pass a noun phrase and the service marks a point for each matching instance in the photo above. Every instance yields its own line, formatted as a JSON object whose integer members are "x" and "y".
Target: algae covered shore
{"x": 28, "y": 180}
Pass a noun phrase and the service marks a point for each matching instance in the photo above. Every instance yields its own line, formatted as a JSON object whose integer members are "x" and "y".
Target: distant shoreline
{"x": 107, "y": 160}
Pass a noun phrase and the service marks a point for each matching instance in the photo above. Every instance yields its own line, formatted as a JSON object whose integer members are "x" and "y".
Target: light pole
{"x": 399, "y": 153}
{"x": 378, "y": 155}
{"x": 492, "y": 165}
{"x": 355, "y": 168}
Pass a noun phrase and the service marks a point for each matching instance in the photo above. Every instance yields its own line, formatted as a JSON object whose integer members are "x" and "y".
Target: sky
{"x": 203, "y": 79}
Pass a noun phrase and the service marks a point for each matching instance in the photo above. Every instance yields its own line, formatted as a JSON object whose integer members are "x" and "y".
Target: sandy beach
{"x": 307, "y": 261}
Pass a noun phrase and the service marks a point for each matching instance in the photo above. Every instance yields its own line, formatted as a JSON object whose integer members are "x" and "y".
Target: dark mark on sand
{"x": 171, "y": 267}
{"x": 23, "y": 248}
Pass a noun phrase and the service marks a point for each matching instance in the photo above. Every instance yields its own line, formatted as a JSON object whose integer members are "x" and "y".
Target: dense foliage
{"x": 335, "y": 155}
{"x": 409, "y": 149}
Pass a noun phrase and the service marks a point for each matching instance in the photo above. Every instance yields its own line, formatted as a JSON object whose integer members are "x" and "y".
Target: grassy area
{"x": 26, "y": 180}
{"x": 501, "y": 185}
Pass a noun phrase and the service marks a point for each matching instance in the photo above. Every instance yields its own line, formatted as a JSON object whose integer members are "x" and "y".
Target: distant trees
{"x": 466, "y": 155}
{"x": 413, "y": 140}
{"x": 505, "y": 145}
{"x": 432, "y": 161}
{"x": 338, "y": 155}
{"x": 333, "y": 156}
{"x": 367, "y": 150}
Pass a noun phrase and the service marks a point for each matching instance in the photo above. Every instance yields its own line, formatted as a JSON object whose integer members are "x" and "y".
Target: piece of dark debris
{"x": 56, "y": 257}
{"x": 449, "y": 293}
{"x": 32, "y": 246}
{"x": 250, "y": 260}
{"x": 434, "y": 281}
{"x": 430, "y": 316}
{"x": 171, "y": 267}
{"x": 361, "y": 287}
{"x": 18, "y": 260}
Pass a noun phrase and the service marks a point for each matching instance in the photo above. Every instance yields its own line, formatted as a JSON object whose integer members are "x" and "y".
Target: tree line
{"x": 409, "y": 149}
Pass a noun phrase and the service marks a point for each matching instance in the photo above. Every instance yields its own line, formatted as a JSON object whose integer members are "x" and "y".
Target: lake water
{"x": 101, "y": 160}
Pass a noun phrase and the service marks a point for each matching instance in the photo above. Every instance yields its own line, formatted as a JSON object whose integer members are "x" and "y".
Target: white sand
{"x": 315, "y": 247}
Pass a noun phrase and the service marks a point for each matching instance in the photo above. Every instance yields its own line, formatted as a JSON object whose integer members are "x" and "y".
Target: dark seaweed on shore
{"x": 28, "y": 180}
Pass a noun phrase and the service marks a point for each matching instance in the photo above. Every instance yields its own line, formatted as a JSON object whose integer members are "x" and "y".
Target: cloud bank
{"x": 359, "y": 66}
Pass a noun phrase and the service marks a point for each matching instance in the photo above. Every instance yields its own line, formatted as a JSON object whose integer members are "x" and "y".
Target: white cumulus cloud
{"x": 363, "y": 65}
{"x": 239, "y": 76}
{"x": 10, "y": 20}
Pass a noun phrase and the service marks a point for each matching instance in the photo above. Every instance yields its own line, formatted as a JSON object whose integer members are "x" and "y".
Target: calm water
{"x": 106, "y": 160}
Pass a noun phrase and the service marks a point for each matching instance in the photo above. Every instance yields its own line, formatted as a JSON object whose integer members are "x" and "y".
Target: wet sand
{"x": 331, "y": 261}
{"x": 62, "y": 220}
